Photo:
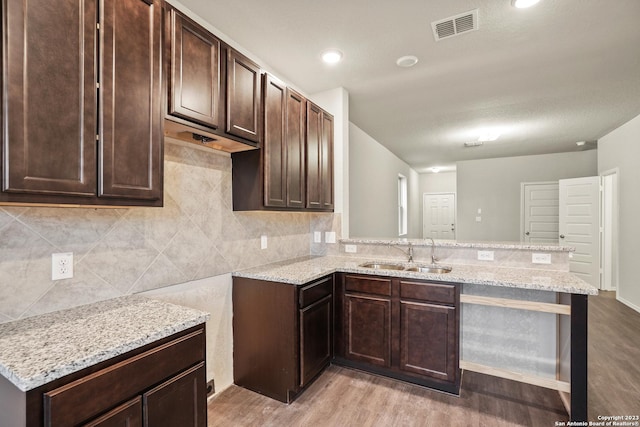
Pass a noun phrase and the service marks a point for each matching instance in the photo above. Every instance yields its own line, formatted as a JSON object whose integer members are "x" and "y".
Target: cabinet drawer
{"x": 315, "y": 292}
{"x": 434, "y": 292}
{"x": 369, "y": 285}
{"x": 89, "y": 396}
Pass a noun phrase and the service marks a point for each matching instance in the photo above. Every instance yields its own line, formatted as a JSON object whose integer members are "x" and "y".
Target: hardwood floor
{"x": 344, "y": 397}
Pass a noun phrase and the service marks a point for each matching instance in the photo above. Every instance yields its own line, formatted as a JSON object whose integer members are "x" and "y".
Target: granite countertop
{"x": 303, "y": 270}
{"x": 40, "y": 349}
{"x": 546, "y": 247}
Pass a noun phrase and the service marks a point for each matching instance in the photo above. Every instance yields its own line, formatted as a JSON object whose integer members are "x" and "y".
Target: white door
{"x": 580, "y": 225}
{"x": 439, "y": 216}
{"x": 539, "y": 217}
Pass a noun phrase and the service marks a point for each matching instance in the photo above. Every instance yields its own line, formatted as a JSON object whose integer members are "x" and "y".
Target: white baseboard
{"x": 627, "y": 303}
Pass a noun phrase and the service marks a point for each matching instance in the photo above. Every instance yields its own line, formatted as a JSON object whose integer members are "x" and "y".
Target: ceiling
{"x": 544, "y": 77}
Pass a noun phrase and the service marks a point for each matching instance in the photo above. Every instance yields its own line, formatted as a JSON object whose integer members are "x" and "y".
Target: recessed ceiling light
{"x": 407, "y": 61}
{"x": 523, "y": 4}
{"x": 332, "y": 56}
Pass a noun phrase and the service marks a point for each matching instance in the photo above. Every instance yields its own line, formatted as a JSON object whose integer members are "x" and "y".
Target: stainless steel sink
{"x": 382, "y": 266}
{"x": 434, "y": 269}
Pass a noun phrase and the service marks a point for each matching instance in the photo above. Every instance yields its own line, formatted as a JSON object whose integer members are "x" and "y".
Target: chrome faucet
{"x": 409, "y": 252}
{"x": 433, "y": 251}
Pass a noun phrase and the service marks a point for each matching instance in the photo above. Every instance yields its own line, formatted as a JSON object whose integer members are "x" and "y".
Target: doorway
{"x": 439, "y": 215}
{"x": 609, "y": 230}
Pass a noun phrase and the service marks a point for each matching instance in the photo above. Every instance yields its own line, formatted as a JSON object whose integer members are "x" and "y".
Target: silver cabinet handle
{"x": 562, "y": 236}
{"x": 526, "y": 233}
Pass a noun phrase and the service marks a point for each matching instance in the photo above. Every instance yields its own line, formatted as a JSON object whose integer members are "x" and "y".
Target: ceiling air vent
{"x": 455, "y": 25}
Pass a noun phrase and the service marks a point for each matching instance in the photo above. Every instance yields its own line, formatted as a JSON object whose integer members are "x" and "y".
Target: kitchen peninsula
{"x": 505, "y": 317}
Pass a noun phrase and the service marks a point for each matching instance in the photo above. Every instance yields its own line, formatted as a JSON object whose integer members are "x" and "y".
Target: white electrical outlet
{"x": 330, "y": 236}
{"x": 351, "y": 249}
{"x": 263, "y": 242}
{"x": 537, "y": 258}
{"x": 317, "y": 237}
{"x": 62, "y": 266}
{"x": 485, "y": 255}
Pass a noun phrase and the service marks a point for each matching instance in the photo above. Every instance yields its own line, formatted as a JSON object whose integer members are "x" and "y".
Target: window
{"x": 402, "y": 205}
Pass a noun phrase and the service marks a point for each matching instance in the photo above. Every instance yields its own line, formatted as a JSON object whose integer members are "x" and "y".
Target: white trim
{"x": 616, "y": 227}
{"x": 628, "y": 303}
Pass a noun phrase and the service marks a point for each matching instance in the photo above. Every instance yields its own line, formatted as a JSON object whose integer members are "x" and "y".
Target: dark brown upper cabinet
{"x": 319, "y": 158}
{"x": 195, "y": 72}
{"x": 81, "y": 116}
{"x": 243, "y": 96}
{"x": 214, "y": 93}
{"x": 283, "y": 145}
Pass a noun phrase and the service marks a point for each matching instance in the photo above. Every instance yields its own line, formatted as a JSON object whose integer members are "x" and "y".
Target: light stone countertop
{"x": 40, "y": 349}
{"x": 303, "y": 270}
{"x": 546, "y": 247}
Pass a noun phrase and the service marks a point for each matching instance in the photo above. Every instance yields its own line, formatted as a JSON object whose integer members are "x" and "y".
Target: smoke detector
{"x": 455, "y": 25}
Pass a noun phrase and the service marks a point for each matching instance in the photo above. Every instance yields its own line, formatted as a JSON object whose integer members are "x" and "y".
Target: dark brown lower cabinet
{"x": 404, "y": 329}
{"x": 160, "y": 384}
{"x": 282, "y": 335}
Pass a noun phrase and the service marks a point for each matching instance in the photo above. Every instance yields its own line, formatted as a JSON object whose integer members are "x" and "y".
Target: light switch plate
{"x": 317, "y": 237}
{"x": 330, "y": 236}
{"x": 538, "y": 258}
{"x": 485, "y": 255}
{"x": 351, "y": 249}
{"x": 478, "y": 219}
{"x": 263, "y": 242}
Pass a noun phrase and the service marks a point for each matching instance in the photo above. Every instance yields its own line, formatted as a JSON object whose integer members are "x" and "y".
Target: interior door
{"x": 580, "y": 225}
{"x": 540, "y": 212}
{"x": 439, "y": 216}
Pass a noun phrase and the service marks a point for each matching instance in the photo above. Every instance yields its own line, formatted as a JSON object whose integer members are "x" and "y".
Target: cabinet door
{"x": 428, "y": 340}
{"x": 274, "y": 146}
{"x": 243, "y": 96}
{"x": 195, "y": 72}
{"x": 368, "y": 329}
{"x": 126, "y": 415}
{"x": 316, "y": 328}
{"x": 295, "y": 149}
{"x": 319, "y": 158}
{"x": 181, "y": 401}
{"x": 131, "y": 144}
{"x": 49, "y": 113}
{"x": 326, "y": 165}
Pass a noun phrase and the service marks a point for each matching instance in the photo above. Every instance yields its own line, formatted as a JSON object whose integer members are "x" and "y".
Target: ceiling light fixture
{"x": 473, "y": 144}
{"x": 580, "y": 143}
{"x": 435, "y": 170}
{"x": 489, "y": 136}
{"x": 331, "y": 56}
{"x": 523, "y": 4}
{"x": 407, "y": 61}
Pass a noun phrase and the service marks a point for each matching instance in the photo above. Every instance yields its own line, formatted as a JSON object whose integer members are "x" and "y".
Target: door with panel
{"x": 274, "y": 146}
{"x": 580, "y": 225}
{"x": 439, "y": 215}
{"x": 539, "y": 217}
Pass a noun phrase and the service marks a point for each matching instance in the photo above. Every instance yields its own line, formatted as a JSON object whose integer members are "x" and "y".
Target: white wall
{"x": 373, "y": 189}
{"x": 493, "y": 185}
{"x": 621, "y": 149}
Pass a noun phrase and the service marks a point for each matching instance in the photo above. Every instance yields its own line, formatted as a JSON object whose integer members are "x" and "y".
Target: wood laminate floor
{"x": 344, "y": 397}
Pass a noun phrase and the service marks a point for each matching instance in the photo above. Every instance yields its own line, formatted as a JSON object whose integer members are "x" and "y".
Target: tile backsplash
{"x": 122, "y": 251}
